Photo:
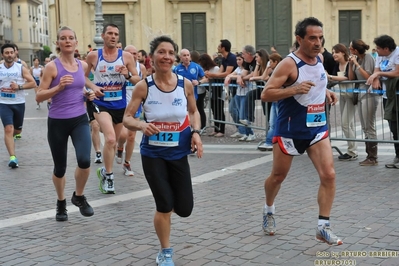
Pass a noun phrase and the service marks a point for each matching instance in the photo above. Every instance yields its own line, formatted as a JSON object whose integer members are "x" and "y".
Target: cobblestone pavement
{"x": 225, "y": 226}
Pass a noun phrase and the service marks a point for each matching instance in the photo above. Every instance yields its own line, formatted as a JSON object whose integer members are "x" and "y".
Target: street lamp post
{"x": 99, "y": 24}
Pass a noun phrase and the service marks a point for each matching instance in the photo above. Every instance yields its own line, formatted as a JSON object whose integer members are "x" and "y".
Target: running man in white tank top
{"x": 299, "y": 84}
{"x": 128, "y": 136}
{"x": 36, "y": 71}
{"x": 14, "y": 79}
{"x": 111, "y": 68}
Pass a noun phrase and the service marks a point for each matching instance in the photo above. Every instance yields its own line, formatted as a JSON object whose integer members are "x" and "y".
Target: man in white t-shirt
{"x": 387, "y": 69}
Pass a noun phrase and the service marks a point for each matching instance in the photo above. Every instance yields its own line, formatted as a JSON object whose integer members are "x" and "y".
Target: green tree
{"x": 46, "y": 51}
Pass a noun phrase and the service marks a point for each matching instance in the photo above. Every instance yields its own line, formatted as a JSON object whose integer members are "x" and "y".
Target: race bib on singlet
{"x": 316, "y": 115}
{"x": 7, "y": 93}
{"x": 112, "y": 95}
{"x": 168, "y": 136}
{"x": 112, "y": 92}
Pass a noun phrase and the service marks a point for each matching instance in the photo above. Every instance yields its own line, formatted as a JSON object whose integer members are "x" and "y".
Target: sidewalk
{"x": 225, "y": 226}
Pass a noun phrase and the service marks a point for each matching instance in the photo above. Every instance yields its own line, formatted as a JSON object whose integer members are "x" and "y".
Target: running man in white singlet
{"x": 299, "y": 84}
{"x": 111, "y": 68}
{"x": 14, "y": 79}
{"x": 128, "y": 136}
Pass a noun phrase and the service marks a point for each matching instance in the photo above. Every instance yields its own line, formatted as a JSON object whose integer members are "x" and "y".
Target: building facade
{"x": 5, "y": 22}
{"x": 201, "y": 24}
{"x": 25, "y": 23}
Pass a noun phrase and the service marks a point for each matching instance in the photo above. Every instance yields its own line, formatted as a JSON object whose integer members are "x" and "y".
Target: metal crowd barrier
{"x": 345, "y": 90}
{"x": 366, "y": 122}
{"x": 218, "y": 112}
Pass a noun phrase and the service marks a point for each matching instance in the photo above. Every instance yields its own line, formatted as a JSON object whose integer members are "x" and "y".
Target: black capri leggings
{"x": 170, "y": 183}
{"x": 58, "y": 133}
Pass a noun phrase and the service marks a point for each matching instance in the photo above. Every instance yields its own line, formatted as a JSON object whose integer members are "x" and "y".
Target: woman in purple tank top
{"x": 64, "y": 81}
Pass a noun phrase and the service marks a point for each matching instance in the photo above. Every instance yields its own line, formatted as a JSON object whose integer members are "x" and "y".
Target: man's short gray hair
{"x": 249, "y": 49}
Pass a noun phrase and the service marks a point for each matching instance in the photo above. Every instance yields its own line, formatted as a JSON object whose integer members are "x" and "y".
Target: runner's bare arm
{"x": 91, "y": 62}
{"x": 130, "y": 67}
{"x": 143, "y": 71}
{"x": 285, "y": 73}
{"x": 30, "y": 81}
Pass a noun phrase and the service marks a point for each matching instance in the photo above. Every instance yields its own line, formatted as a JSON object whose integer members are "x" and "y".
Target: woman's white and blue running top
{"x": 303, "y": 116}
{"x": 106, "y": 75}
{"x": 167, "y": 111}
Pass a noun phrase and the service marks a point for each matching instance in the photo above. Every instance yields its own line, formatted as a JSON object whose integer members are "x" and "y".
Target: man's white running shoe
{"x": 127, "y": 170}
{"x": 325, "y": 234}
{"x": 106, "y": 185}
{"x": 118, "y": 156}
{"x": 268, "y": 225}
{"x": 98, "y": 158}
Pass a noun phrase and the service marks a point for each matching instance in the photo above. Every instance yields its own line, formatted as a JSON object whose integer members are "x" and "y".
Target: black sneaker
{"x": 81, "y": 202}
{"x": 347, "y": 157}
{"x": 61, "y": 214}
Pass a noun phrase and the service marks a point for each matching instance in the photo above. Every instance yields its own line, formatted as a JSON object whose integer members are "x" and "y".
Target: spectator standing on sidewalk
{"x": 274, "y": 60}
{"x": 194, "y": 56}
{"x": 328, "y": 61}
{"x": 250, "y": 64}
{"x": 170, "y": 180}
{"x": 194, "y": 73}
{"x": 64, "y": 81}
{"x": 386, "y": 73}
{"x": 299, "y": 84}
{"x": 190, "y": 70}
{"x": 346, "y": 99}
{"x": 361, "y": 66}
{"x": 207, "y": 64}
{"x": 228, "y": 65}
{"x": 244, "y": 133}
{"x": 259, "y": 73}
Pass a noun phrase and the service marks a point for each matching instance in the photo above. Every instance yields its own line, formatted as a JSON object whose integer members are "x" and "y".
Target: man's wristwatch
{"x": 195, "y": 131}
{"x": 20, "y": 87}
{"x": 129, "y": 75}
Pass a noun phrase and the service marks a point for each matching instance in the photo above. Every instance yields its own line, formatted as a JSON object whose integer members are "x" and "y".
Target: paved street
{"x": 225, "y": 226}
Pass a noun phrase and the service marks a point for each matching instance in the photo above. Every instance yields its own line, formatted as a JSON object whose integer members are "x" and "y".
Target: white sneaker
{"x": 106, "y": 185}
{"x": 394, "y": 164}
{"x": 243, "y": 138}
{"x": 265, "y": 147}
{"x": 251, "y": 137}
{"x": 237, "y": 135}
{"x": 110, "y": 184}
{"x": 118, "y": 156}
{"x": 98, "y": 158}
{"x": 127, "y": 170}
{"x": 245, "y": 122}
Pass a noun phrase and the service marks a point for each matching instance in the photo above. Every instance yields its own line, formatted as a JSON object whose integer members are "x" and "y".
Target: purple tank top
{"x": 69, "y": 102}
